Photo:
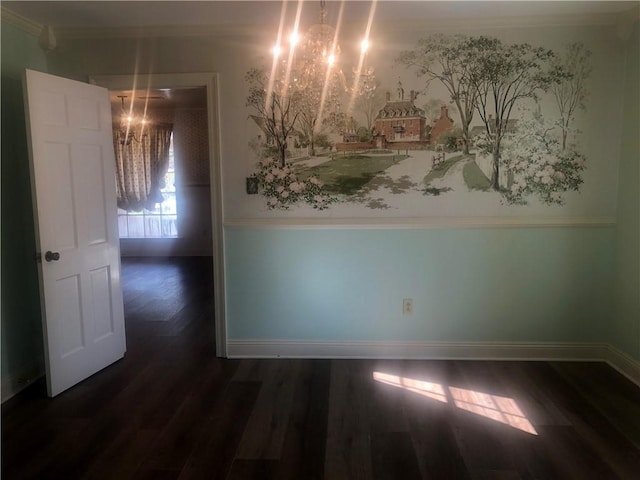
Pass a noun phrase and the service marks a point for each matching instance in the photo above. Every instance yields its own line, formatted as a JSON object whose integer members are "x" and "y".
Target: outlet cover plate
{"x": 407, "y": 306}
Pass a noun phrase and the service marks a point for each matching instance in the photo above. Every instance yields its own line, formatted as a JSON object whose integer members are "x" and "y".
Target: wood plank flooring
{"x": 172, "y": 410}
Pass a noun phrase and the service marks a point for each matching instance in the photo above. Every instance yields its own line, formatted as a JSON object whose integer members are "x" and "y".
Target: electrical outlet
{"x": 407, "y": 306}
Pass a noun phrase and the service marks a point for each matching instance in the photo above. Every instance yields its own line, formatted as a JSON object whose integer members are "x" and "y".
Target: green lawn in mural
{"x": 348, "y": 174}
{"x": 474, "y": 178}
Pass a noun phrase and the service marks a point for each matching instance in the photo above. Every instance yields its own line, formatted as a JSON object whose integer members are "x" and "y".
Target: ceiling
{"x": 164, "y": 98}
{"x": 120, "y": 14}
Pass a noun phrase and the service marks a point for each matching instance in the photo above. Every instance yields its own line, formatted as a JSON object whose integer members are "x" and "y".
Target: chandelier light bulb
{"x": 129, "y": 123}
{"x": 276, "y": 51}
{"x": 294, "y": 38}
{"x": 331, "y": 60}
{"x": 364, "y": 46}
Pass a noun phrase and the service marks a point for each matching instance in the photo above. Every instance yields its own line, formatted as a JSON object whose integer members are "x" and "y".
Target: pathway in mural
{"x": 403, "y": 178}
{"x": 453, "y": 179}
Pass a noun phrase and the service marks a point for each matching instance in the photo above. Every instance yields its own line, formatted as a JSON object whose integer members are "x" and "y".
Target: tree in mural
{"x": 369, "y": 99}
{"x": 501, "y": 76}
{"x": 316, "y": 83}
{"x": 316, "y": 110}
{"x": 445, "y": 58}
{"x": 276, "y": 116}
{"x": 570, "y": 92}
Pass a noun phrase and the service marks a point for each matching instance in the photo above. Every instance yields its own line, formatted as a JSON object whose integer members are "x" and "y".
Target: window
{"x": 162, "y": 221}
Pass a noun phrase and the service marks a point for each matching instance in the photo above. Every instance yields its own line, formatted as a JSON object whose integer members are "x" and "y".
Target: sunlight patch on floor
{"x": 428, "y": 389}
{"x": 500, "y": 409}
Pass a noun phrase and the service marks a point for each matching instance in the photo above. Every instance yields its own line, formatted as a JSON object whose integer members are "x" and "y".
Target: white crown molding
{"x": 419, "y": 223}
{"x": 514, "y": 351}
{"x": 169, "y": 31}
{"x": 258, "y": 30}
{"x": 20, "y": 22}
{"x": 586, "y": 20}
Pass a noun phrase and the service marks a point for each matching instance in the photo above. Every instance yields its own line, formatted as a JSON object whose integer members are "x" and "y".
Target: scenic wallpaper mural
{"x": 463, "y": 113}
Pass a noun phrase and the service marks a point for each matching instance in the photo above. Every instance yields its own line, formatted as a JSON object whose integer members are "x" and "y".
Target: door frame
{"x": 209, "y": 80}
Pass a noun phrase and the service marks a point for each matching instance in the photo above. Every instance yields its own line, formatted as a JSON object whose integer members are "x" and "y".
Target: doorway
{"x": 166, "y": 246}
{"x": 174, "y": 220}
{"x": 176, "y": 85}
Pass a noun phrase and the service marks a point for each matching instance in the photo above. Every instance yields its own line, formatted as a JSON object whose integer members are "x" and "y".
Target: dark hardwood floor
{"x": 172, "y": 410}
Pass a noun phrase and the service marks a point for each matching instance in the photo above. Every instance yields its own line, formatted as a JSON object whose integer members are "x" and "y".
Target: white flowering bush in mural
{"x": 282, "y": 188}
{"x": 539, "y": 165}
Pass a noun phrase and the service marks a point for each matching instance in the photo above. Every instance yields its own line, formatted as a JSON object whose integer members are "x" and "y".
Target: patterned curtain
{"x": 141, "y": 164}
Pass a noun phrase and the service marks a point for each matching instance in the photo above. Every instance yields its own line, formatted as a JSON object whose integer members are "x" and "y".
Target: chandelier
{"x": 130, "y": 123}
{"x": 314, "y": 56}
{"x": 308, "y": 69}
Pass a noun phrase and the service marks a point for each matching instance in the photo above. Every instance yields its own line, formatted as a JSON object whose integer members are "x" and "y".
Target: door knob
{"x": 51, "y": 256}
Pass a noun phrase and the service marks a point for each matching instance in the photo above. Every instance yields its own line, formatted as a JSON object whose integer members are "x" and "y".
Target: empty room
{"x": 320, "y": 240}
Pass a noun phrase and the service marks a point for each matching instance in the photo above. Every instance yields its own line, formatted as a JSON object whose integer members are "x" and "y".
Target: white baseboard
{"x": 17, "y": 381}
{"x": 437, "y": 351}
{"x": 416, "y": 350}
{"x": 624, "y": 364}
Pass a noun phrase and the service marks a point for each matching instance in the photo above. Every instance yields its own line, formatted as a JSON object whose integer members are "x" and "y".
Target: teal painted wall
{"x": 626, "y": 324}
{"x": 21, "y": 323}
{"x": 492, "y": 284}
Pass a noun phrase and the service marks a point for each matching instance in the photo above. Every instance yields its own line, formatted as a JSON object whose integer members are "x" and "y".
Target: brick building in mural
{"x": 400, "y": 122}
{"x": 441, "y": 125}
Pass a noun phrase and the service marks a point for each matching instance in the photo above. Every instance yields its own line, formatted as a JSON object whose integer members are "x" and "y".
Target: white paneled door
{"x": 73, "y": 183}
